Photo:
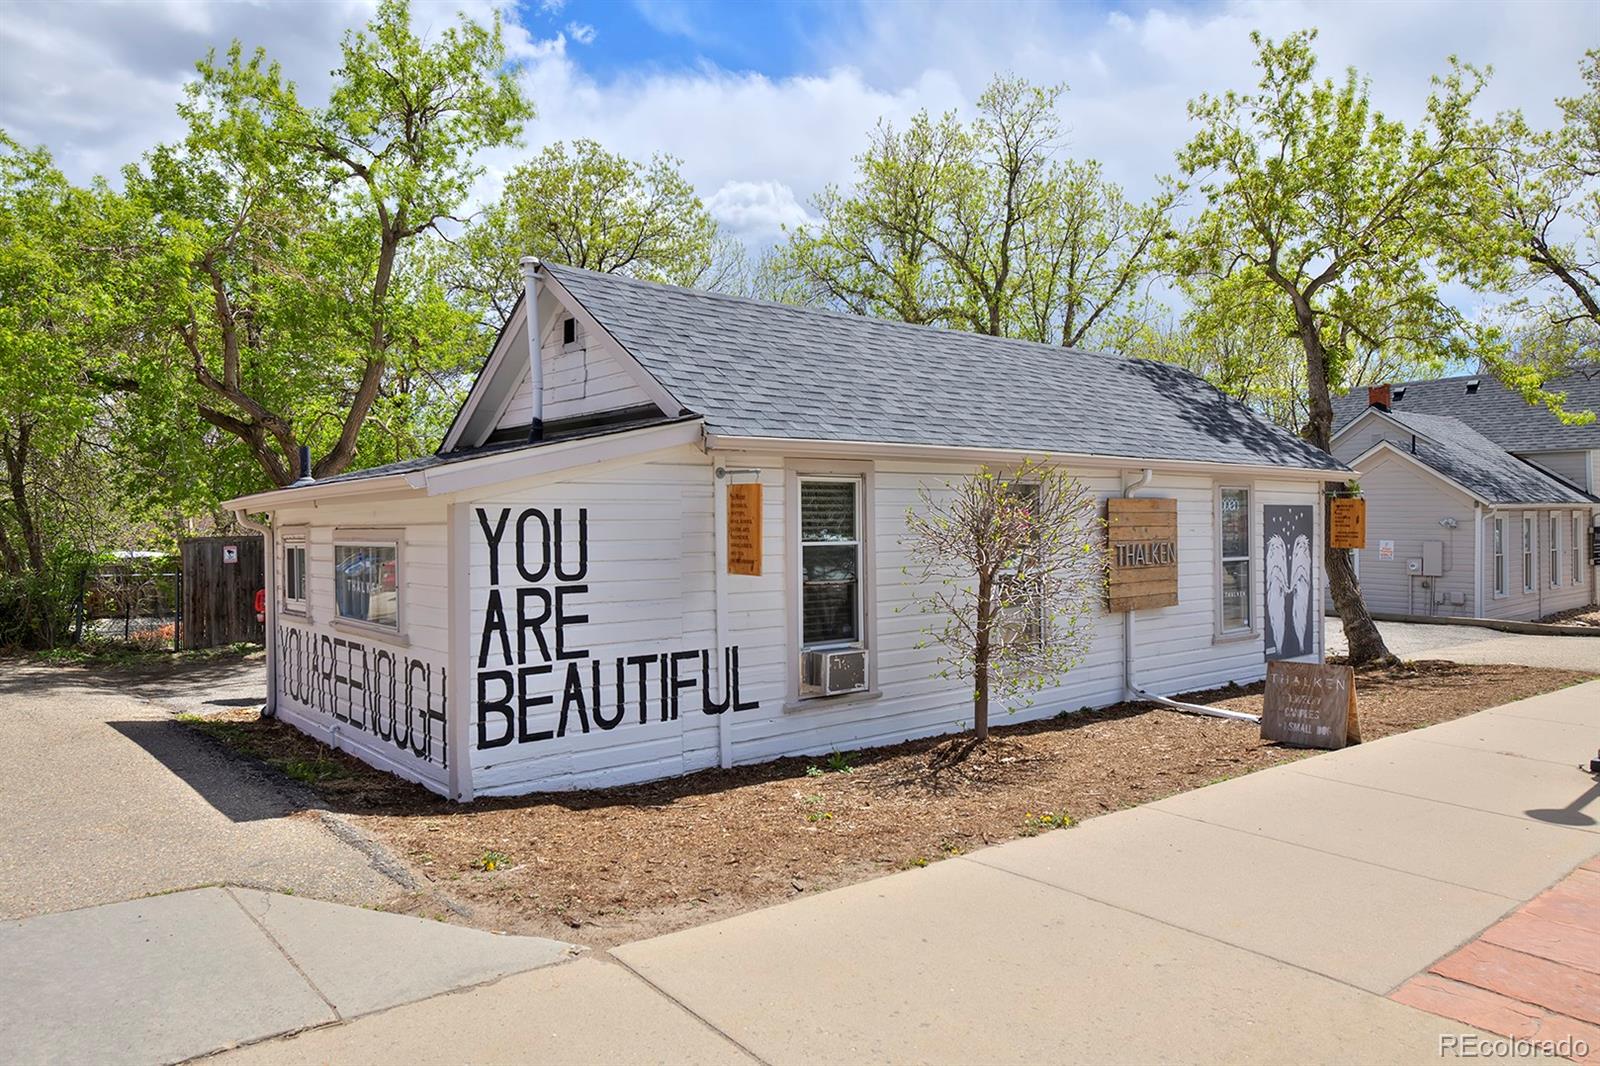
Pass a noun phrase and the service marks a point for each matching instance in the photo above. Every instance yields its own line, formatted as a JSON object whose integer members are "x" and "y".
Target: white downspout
{"x": 719, "y": 585}
{"x": 269, "y": 637}
{"x": 1133, "y": 691}
{"x": 531, "y": 290}
{"x": 1477, "y": 560}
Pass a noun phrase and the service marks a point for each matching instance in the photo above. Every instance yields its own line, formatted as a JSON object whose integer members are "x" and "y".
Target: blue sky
{"x": 765, "y": 104}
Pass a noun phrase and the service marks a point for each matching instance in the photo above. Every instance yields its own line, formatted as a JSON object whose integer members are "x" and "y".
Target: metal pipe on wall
{"x": 1132, "y": 690}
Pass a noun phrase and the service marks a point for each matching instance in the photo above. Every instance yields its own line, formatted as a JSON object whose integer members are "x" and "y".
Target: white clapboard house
{"x": 552, "y": 600}
{"x": 1479, "y": 504}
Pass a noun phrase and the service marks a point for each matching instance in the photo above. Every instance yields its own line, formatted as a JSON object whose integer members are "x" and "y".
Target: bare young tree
{"x": 1012, "y": 568}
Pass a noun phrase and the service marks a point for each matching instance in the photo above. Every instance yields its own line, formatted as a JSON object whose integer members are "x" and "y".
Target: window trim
{"x": 1251, "y": 631}
{"x": 372, "y": 537}
{"x": 1499, "y": 562}
{"x": 294, "y": 538}
{"x": 1555, "y": 549}
{"x": 1530, "y": 552}
{"x": 863, "y": 473}
{"x": 1577, "y": 547}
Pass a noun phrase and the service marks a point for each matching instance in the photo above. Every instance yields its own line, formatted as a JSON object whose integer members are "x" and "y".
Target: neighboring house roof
{"x": 758, "y": 369}
{"x": 1492, "y": 409}
{"x": 1466, "y": 457}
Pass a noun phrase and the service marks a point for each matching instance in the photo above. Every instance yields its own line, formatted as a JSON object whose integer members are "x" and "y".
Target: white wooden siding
{"x": 1406, "y": 504}
{"x": 1367, "y": 430}
{"x": 1527, "y": 606}
{"x": 651, "y": 588}
{"x": 318, "y": 696}
{"x": 1572, "y": 466}
{"x": 580, "y": 378}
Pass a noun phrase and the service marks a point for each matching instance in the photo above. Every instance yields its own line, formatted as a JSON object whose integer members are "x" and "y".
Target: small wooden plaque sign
{"x": 1141, "y": 553}
{"x": 1310, "y": 705}
{"x": 1347, "y": 522}
{"x": 744, "y": 529}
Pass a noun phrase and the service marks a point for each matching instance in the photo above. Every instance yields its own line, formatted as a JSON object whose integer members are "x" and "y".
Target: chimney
{"x": 305, "y": 477}
{"x": 1378, "y": 396}
{"x": 532, "y": 305}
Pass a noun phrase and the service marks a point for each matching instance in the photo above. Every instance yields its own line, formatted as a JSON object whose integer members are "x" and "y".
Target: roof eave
{"x": 844, "y": 448}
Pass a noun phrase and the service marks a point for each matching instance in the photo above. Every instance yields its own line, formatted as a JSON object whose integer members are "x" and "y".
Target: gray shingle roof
{"x": 761, "y": 369}
{"x": 1493, "y": 410}
{"x": 1477, "y": 463}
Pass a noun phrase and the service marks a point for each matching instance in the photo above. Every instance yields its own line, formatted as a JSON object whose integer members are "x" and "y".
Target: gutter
{"x": 1132, "y": 690}
{"x": 269, "y": 637}
{"x": 857, "y": 449}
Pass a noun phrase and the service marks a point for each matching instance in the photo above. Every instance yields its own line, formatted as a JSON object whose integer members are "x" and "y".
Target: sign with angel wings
{"x": 1290, "y": 612}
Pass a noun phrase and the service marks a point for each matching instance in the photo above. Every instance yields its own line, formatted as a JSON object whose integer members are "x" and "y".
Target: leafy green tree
{"x": 1318, "y": 205}
{"x": 291, "y": 308}
{"x": 589, "y": 208}
{"x": 978, "y": 226}
{"x": 1534, "y": 231}
{"x": 1010, "y": 573}
{"x": 61, "y": 312}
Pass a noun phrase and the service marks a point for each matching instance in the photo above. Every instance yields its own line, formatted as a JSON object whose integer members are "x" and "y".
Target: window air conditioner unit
{"x": 829, "y": 673}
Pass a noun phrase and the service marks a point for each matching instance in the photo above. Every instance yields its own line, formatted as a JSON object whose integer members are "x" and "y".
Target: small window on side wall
{"x": 830, "y": 561}
{"x": 366, "y": 582}
{"x": 294, "y": 574}
{"x": 1233, "y": 520}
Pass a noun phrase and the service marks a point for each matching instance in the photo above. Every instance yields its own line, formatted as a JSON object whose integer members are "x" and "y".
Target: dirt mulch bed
{"x": 1577, "y": 616}
{"x": 604, "y": 867}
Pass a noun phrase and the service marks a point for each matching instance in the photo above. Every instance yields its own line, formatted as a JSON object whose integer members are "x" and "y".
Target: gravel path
{"x": 107, "y": 798}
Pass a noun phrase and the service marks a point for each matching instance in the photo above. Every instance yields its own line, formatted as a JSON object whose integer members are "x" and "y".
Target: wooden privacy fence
{"x": 220, "y": 578}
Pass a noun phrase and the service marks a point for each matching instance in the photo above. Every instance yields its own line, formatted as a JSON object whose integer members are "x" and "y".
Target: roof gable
{"x": 1493, "y": 410}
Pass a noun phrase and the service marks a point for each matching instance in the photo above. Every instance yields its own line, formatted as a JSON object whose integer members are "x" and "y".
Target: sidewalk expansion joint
{"x": 1332, "y": 854}
{"x": 1213, "y": 938}
{"x": 690, "y": 1011}
{"x": 1294, "y": 768}
{"x": 290, "y": 959}
{"x": 1496, "y": 751}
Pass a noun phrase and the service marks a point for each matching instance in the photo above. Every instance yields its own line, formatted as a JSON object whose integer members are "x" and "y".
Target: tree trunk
{"x": 980, "y": 663}
{"x": 16, "y": 458}
{"x": 1360, "y": 631}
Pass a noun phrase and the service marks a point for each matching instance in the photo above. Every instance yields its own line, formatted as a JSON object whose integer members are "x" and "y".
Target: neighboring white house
{"x": 1457, "y": 524}
{"x": 558, "y": 598}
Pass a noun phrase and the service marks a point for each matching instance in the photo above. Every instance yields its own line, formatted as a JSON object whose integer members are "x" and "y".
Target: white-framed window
{"x": 1499, "y": 556}
{"x": 366, "y": 577}
{"x": 294, "y": 572}
{"x": 1530, "y": 559}
{"x": 1555, "y": 550}
{"x": 1234, "y": 614}
{"x": 1577, "y": 548}
{"x": 1024, "y": 627}
{"x": 831, "y": 539}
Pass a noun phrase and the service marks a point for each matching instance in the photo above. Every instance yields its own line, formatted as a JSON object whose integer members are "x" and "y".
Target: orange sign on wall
{"x": 744, "y": 529}
{"x": 1347, "y": 523}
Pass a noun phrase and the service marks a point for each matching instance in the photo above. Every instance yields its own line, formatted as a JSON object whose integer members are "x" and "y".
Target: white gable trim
{"x": 658, "y": 393}
{"x": 1394, "y": 449}
{"x": 1384, "y": 416}
{"x": 497, "y": 383}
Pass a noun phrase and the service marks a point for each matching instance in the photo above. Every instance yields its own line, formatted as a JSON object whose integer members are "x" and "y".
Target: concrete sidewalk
{"x": 1263, "y": 919}
{"x": 170, "y": 977}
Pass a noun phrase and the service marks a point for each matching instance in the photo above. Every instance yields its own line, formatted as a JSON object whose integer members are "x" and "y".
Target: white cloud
{"x": 581, "y": 32}
{"x": 99, "y": 88}
{"x": 756, "y": 211}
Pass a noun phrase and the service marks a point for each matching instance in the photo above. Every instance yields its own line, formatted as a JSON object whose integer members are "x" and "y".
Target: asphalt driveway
{"x": 108, "y": 798}
{"x": 1471, "y": 644}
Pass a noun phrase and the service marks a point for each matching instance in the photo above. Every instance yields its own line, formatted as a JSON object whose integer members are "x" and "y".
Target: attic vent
{"x": 569, "y": 330}
{"x": 1472, "y": 386}
{"x": 1399, "y": 394}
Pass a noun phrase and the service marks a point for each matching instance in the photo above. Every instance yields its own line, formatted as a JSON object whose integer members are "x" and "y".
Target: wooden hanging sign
{"x": 1347, "y": 522}
{"x": 744, "y": 529}
{"x": 1310, "y": 705}
{"x": 1141, "y": 553}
